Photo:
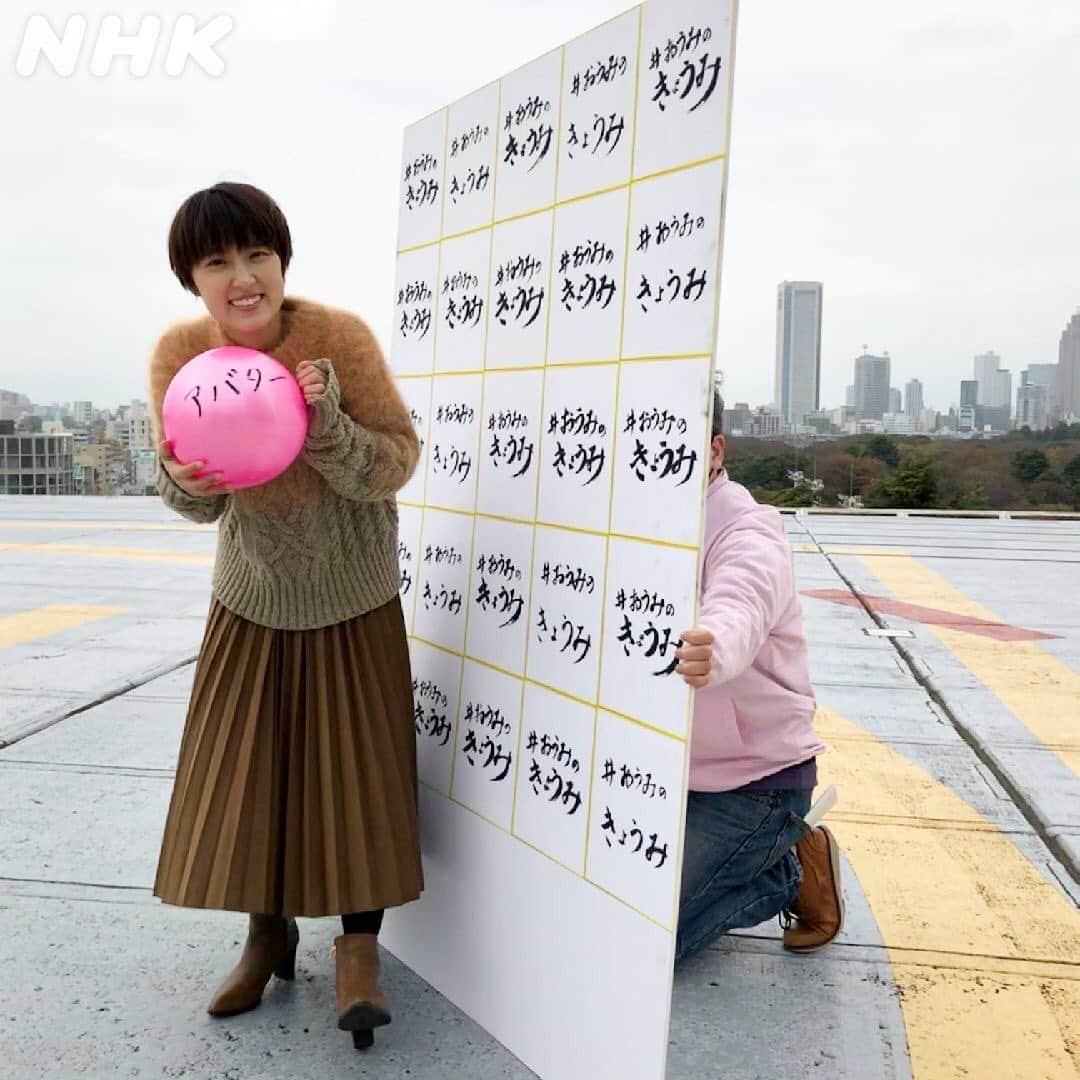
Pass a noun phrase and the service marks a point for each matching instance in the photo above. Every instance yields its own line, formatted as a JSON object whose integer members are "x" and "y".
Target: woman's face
{"x": 243, "y": 289}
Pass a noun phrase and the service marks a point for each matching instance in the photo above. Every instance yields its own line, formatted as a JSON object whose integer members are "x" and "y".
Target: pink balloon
{"x": 238, "y": 410}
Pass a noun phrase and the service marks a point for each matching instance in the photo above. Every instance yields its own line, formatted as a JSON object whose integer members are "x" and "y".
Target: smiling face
{"x": 230, "y": 246}
{"x": 242, "y": 289}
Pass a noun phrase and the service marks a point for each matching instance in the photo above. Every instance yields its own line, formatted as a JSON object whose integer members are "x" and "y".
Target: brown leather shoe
{"x": 270, "y": 949}
{"x": 818, "y": 906}
{"x": 361, "y": 1005}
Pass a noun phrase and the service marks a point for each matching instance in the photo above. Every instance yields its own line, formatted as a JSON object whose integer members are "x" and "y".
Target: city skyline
{"x": 911, "y": 263}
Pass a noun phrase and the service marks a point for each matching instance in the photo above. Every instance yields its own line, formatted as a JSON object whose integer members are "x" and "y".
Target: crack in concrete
{"x": 919, "y": 673}
{"x": 51, "y": 721}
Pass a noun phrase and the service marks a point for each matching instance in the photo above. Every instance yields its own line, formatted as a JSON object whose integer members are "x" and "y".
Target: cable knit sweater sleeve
{"x": 361, "y": 437}
{"x": 195, "y": 508}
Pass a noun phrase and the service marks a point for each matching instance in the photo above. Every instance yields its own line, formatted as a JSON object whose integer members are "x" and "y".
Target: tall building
{"x": 140, "y": 434}
{"x": 872, "y": 384}
{"x": 1067, "y": 384}
{"x": 35, "y": 464}
{"x": 896, "y": 401}
{"x": 1032, "y": 405}
{"x": 969, "y": 393}
{"x": 995, "y": 383}
{"x": 737, "y": 419}
{"x": 849, "y": 396}
{"x": 13, "y": 406}
{"x": 798, "y": 349}
{"x": 913, "y": 399}
{"x": 82, "y": 412}
{"x": 1042, "y": 375}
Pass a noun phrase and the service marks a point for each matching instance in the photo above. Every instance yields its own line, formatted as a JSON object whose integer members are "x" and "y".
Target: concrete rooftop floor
{"x": 956, "y": 751}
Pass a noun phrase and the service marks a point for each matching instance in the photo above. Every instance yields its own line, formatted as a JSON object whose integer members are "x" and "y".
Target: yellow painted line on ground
{"x": 985, "y": 952}
{"x": 1042, "y": 692}
{"x": 26, "y": 626}
{"x": 111, "y": 553}
{"x": 121, "y": 526}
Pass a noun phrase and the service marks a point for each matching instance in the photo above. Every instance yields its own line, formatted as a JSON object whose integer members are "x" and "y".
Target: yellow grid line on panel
{"x": 597, "y": 193}
{"x": 540, "y": 210}
{"x": 449, "y": 510}
{"x": 540, "y": 851}
{"x": 431, "y": 375}
{"x": 626, "y": 904}
{"x": 417, "y": 247}
{"x": 540, "y": 441}
{"x": 684, "y": 167}
{"x": 614, "y": 453}
{"x": 502, "y": 671}
{"x": 579, "y": 530}
{"x": 469, "y": 232}
{"x": 561, "y": 693}
{"x": 495, "y": 667}
{"x": 681, "y": 836}
{"x": 558, "y": 365}
{"x": 514, "y": 367}
{"x": 670, "y": 544}
{"x": 504, "y": 519}
{"x": 665, "y": 359}
{"x": 644, "y": 724}
{"x": 464, "y": 654}
{"x": 479, "y": 434}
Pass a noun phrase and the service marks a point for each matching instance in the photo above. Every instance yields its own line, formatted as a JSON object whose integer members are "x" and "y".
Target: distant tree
{"x": 1064, "y": 432}
{"x": 801, "y": 495}
{"x": 1071, "y": 475}
{"x": 974, "y": 498}
{"x": 883, "y": 448}
{"x": 913, "y": 486}
{"x": 1030, "y": 465}
{"x": 759, "y": 472}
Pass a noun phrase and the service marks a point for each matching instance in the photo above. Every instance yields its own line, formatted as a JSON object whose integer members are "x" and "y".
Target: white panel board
{"x": 555, "y": 312}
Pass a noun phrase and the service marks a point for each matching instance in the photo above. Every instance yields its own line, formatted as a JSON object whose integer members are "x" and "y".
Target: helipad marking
{"x": 985, "y": 951}
{"x": 1040, "y": 690}
{"x": 26, "y": 626}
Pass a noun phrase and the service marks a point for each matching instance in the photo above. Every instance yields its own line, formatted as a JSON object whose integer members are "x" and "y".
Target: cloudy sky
{"x": 921, "y": 159}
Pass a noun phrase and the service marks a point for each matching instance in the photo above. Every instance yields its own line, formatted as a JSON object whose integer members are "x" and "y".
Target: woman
{"x": 295, "y": 790}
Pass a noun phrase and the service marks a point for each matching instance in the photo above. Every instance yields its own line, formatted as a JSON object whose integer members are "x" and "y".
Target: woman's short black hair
{"x": 225, "y": 216}
{"x": 717, "y": 414}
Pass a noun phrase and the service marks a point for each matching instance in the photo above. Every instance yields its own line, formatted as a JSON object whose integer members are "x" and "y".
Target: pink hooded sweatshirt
{"x": 756, "y": 715}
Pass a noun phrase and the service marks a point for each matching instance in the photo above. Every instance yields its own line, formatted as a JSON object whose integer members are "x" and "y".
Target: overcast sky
{"x": 921, "y": 159}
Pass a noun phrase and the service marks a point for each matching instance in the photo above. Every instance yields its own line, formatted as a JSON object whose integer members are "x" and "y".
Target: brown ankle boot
{"x": 361, "y": 1005}
{"x": 270, "y": 949}
{"x": 818, "y": 906}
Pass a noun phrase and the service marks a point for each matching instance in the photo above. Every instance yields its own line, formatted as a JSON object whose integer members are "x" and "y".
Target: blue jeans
{"x": 739, "y": 864}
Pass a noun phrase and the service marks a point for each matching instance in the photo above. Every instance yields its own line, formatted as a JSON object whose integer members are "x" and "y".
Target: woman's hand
{"x": 695, "y": 657}
{"x": 312, "y": 381}
{"x": 190, "y": 478}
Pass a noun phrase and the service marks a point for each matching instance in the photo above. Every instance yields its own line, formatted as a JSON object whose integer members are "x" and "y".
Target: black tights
{"x": 362, "y": 922}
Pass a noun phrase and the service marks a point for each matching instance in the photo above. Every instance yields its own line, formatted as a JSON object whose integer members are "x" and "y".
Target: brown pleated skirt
{"x": 295, "y": 788}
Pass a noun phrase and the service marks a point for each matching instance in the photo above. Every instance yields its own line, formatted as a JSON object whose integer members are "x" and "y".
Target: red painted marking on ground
{"x": 932, "y": 616}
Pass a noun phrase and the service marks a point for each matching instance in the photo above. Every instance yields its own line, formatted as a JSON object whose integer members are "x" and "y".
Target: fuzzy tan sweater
{"x": 318, "y": 545}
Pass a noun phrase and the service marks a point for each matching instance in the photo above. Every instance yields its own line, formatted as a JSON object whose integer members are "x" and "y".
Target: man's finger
{"x": 692, "y": 667}
{"x": 165, "y": 450}
{"x": 698, "y": 636}
{"x": 693, "y": 652}
{"x": 696, "y": 681}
